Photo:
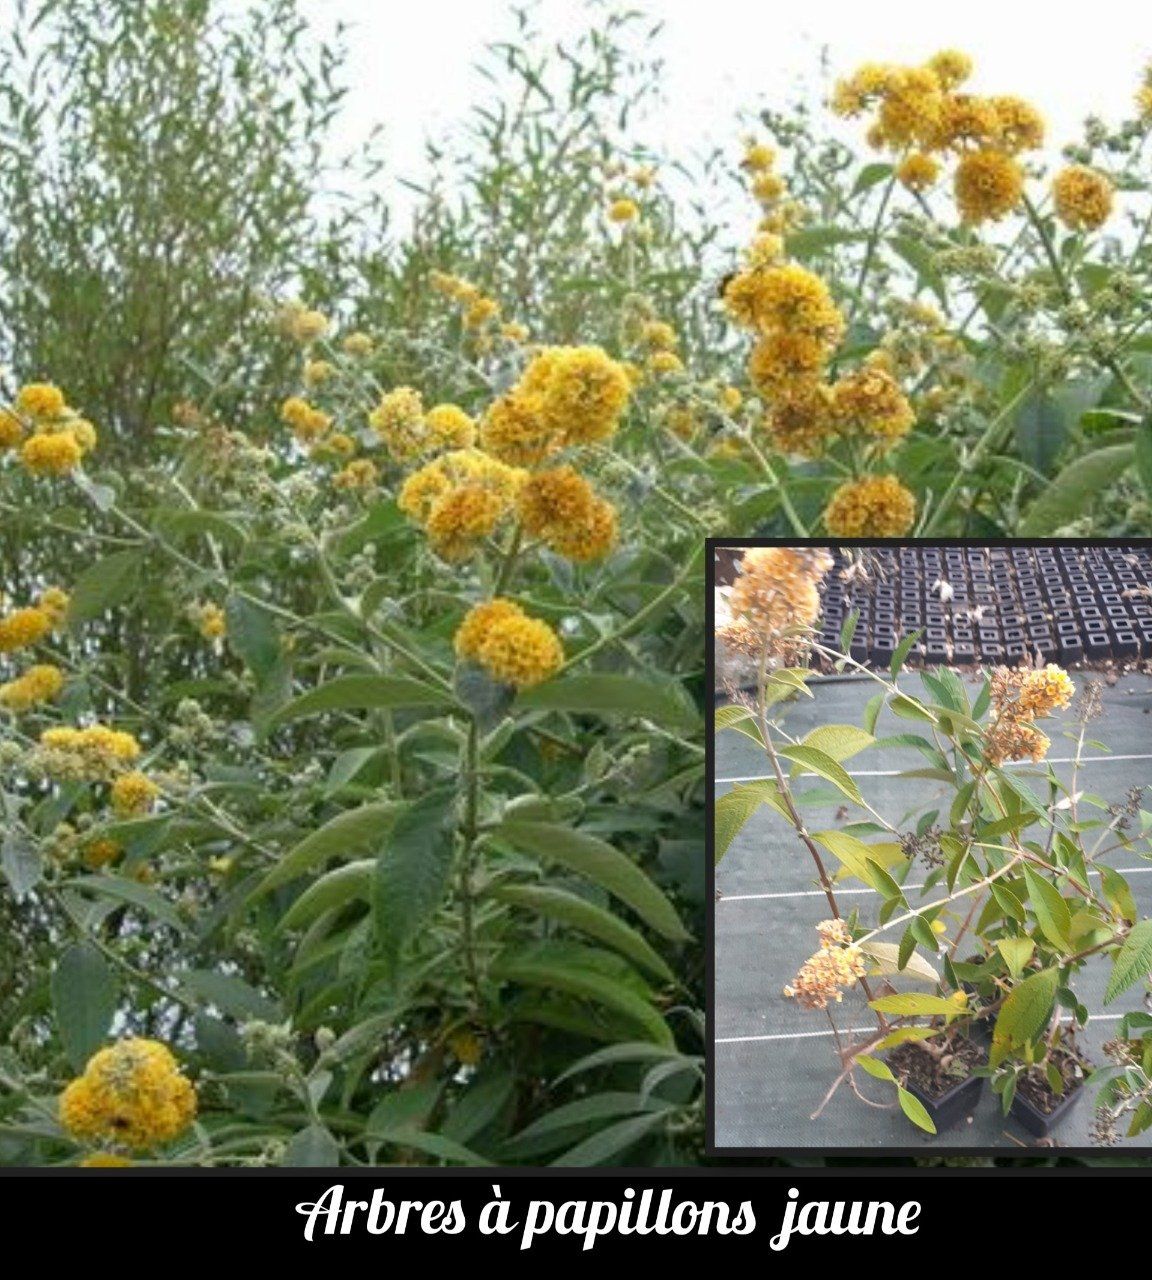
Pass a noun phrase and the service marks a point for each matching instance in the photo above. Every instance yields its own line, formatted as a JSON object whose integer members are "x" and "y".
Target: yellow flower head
{"x": 786, "y": 361}
{"x": 211, "y": 622}
{"x": 11, "y": 429}
{"x": 133, "y": 794}
{"x": 911, "y": 107}
{"x": 317, "y": 372}
{"x": 105, "y": 1160}
{"x": 51, "y": 453}
{"x": 399, "y": 422}
{"x": 1021, "y": 125}
{"x": 511, "y": 647}
{"x": 870, "y": 400}
{"x": 802, "y": 421}
{"x": 360, "y": 474}
{"x": 91, "y": 754}
{"x": 623, "y": 210}
{"x": 829, "y": 972}
{"x": 786, "y": 297}
{"x": 758, "y": 156}
{"x": 101, "y": 853}
{"x": 450, "y": 427}
{"x": 989, "y": 185}
{"x": 307, "y": 422}
{"x": 951, "y": 67}
{"x": 777, "y": 589}
{"x": 872, "y": 507}
{"x": 918, "y": 171}
{"x": 23, "y": 628}
{"x": 1083, "y": 197}
{"x": 561, "y": 508}
{"x": 968, "y": 121}
{"x": 39, "y": 684}
{"x": 358, "y": 344}
{"x": 132, "y": 1094}
{"x": 582, "y": 393}
{"x": 41, "y": 400}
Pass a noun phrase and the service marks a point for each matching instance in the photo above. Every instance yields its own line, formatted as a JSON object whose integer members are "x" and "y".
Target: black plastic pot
{"x": 954, "y": 1104}
{"x": 1039, "y": 1123}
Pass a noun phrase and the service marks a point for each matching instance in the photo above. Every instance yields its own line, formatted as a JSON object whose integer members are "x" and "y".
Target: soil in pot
{"x": 944, "y": 1083}
{"x": 1037, "y": 1107}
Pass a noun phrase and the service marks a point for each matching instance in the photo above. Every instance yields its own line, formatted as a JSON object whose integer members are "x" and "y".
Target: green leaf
{"x": 611, "y": 1141}
{"x": 738, "y": 718}
{"x": 341, "y": 885}
{"x": 134, "y": 893}
{"x": 21, "y": 862}
{"x": 1118, "y": 893}
{"x": 1074, "y": 489}
{"x": 412, "y": 871}
{"x": 821, "y": 763}
{"x": 901, "y": 652}
{"x": 104, "y": 585}
{"x": 252, "y": 635}
{"x": 610, "y": 695}
{"x": 886, "y": 956}
{"x": 874, "y": 1067}
{"x": 914, "y": 1109}
{"x": 1024, "y": 1013}
{"x": 555, "y": 967}
{"x": 312, "y": 1148}
{"x": 230, "y": 994}
{"x": 360, "y": 692}
{"x": 84, "y": 997}
{"x": 587, "y": 917}
{"x": 872, "y": 710}
{"x": 1133, "y": 961}
{"x": 348, "y": 832}
{"x": 913, "y": 1005}
{"x": 735, "y": 807}
{"x": 1051, "y": 911}
{"x": 839, "y": 741}
{"x": 1016, "y": 952}
{"x": 601, "y": 863}
{"x": 433, "y": 1144}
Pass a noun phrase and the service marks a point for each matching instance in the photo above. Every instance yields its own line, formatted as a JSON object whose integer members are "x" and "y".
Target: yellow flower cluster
{"x": 133, "y": 794}
{"x": 300, "y": 323}
{"x": 477, "y": 309}
{"x": 798, "y": 327}
{"x": 460, "y": 498}
{"x": 39, "y": 684}
{"x": 132, "y": 1094}
{"x": 871, "y": 507}
{"x": 308, "y": 423}
{"x": 775, "y": 593}
{"x": 510, "y": 646}
{"x": 22, "y": 628}
{"x": 362, "y": 473}
{"x": 96, "y": 753}
{"x": 59, "y": 437}
{"x": 210, "y": 622}
{"x": 1083, "y": 197}
{"x": 829, "y": 972}
{"x": 101, "y": 852}
{"x": 622, "y": 210}
{"x": 919, "y": 115}
{"x": 562, "y": 508}
{"x": 566, "y": 396}
{"x": 410, "y": 433}
{"x": 1019, "y": 696}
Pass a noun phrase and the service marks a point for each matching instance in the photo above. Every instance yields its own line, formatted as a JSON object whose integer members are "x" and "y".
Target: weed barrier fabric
{"x": 1073, "y": 604}
{"x": 773, "y": 1061}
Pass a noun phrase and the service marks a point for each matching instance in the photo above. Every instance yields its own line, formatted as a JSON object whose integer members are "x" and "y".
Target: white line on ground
{"x": 895, "y": 773}
{"x": 849, "y": 1031}
{"x": 819, "y": 893}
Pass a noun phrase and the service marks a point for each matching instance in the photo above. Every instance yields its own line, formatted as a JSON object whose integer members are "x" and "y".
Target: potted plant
{"x": 1015, "y": 890}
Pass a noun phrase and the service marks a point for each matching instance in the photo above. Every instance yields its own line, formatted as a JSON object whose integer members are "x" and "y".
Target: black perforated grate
{"x": 1069, "y": 604}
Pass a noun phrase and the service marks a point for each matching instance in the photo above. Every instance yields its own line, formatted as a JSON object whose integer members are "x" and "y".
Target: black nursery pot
{"x": 954, "y": 1104}
{"x": 1041, "y": 1123}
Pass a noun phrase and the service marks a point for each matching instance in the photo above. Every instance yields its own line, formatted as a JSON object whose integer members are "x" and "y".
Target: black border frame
{"x": 711, "y": 544}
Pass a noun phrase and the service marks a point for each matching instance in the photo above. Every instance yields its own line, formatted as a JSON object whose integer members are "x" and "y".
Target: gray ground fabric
{"x": 774, "y": 1061}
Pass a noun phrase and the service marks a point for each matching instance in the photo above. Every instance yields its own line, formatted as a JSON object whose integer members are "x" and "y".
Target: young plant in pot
{"x": 994, "y": 900}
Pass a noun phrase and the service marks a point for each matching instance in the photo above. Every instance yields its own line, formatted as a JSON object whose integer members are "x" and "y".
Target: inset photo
{"x": 932, "y": 807}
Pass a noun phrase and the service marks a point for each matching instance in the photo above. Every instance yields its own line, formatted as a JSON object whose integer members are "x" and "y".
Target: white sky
{"x": 412, "y": 63}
